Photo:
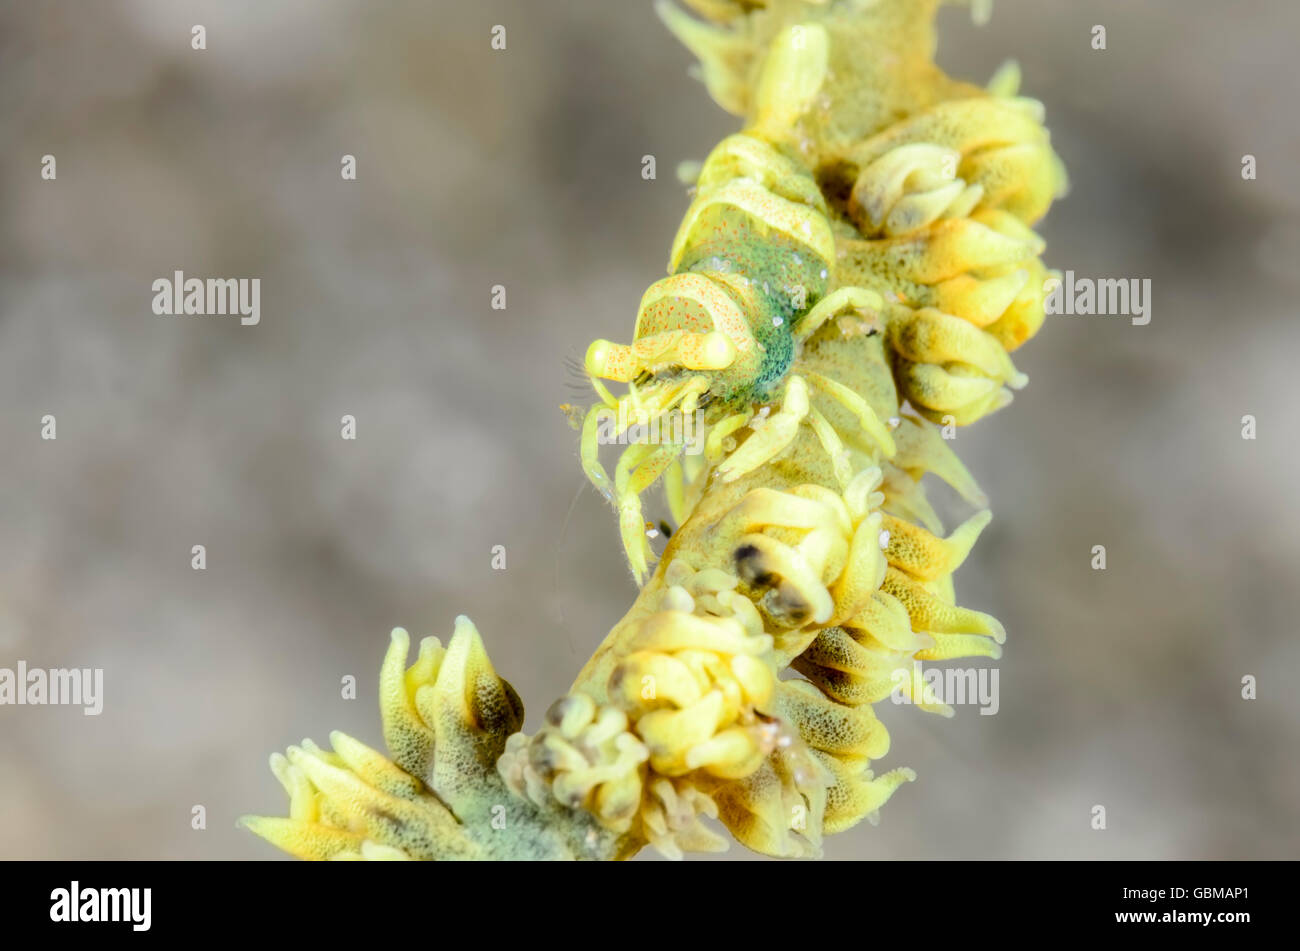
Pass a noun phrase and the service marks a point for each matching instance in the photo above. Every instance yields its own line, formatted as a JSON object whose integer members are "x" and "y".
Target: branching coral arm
{"x": 854, "y": 268}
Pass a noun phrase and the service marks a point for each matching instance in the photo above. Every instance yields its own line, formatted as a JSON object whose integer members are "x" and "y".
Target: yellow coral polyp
{"x": 851, "y": 275}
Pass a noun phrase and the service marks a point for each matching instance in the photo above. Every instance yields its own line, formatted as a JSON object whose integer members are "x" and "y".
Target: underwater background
{"x": 523, "y": 168}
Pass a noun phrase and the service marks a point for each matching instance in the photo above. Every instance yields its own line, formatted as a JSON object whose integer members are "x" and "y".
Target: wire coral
{"x": 854, "y": 268}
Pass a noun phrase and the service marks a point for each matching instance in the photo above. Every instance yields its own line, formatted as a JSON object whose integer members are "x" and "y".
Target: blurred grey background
{"x": 522, "y": 168}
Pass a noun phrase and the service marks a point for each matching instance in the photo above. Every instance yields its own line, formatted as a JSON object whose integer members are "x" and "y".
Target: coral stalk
{"x": 851, "y": 275}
